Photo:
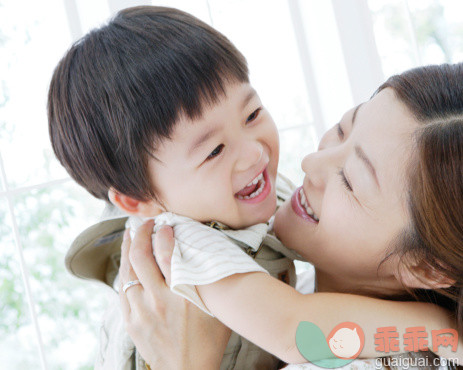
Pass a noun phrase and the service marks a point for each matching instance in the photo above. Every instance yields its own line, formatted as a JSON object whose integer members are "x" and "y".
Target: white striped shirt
{"x": 203, "y": 255}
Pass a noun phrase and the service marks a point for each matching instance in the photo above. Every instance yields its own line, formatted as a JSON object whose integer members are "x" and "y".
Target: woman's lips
{"x": 298, "y": 208}
{"x": 265, "y": 191}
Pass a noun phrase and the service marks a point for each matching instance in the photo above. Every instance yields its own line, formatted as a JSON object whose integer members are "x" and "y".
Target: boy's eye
{"x": 215, "y": 152}
{"x": 253, "y": 115}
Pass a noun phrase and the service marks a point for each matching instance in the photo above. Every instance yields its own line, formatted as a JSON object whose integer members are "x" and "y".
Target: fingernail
{"x": 150, "y": 221}
{"x": 170, "y": 230}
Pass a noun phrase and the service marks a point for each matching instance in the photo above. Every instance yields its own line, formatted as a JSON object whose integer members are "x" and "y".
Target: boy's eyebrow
{"x": 202, "y": 139}
{"x": 252, "y": 93}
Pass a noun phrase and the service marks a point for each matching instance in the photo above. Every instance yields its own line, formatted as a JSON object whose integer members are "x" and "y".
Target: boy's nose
{"x": 250, "y": 154}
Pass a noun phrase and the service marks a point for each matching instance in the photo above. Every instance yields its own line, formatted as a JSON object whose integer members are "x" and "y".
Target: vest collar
{"x": 252, "y": 236}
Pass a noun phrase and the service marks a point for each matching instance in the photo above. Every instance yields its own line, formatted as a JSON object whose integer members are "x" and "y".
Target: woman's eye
{"x": 253, "y": 115}
{"x": 215, "y": 152}
{"x": 344, "y": 180}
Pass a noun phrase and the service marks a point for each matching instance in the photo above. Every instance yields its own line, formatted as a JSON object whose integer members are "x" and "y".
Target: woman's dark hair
{"x": 434, "y": 95}
{"x": 121, "y": 88}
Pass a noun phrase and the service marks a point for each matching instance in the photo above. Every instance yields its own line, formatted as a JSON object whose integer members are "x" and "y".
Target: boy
{"x": 155, "y": 113}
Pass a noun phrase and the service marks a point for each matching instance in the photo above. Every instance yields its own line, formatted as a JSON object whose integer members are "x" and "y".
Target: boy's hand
{"x": 168, "y": 331}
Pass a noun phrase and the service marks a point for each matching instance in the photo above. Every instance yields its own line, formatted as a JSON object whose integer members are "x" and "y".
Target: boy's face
{"x": 222, "y": 166}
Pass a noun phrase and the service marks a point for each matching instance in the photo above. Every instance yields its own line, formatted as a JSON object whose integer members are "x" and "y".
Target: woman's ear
{"x": 422, "y": 275}
{"x": 134, "y": 206}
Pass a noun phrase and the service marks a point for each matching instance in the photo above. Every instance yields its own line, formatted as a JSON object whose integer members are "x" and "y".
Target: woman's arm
{"x": 168, "y": 331}
{"x": 267, "y": 312}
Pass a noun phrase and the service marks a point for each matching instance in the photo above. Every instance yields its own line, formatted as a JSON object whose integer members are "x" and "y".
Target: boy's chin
{"x": 262, "y": 218}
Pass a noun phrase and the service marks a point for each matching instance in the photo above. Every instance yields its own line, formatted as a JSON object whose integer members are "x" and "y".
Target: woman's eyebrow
{"x": 363, "y": 157}
{"x": 354, "y": 115}
{"x": 361, "y": 154}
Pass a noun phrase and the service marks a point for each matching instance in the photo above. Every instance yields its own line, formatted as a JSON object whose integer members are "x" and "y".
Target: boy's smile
{"x": 221, "y": 166}
{"x": 257, "y": 190}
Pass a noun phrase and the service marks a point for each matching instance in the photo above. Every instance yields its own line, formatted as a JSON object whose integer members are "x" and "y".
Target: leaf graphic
{"x": 312, "y": 344}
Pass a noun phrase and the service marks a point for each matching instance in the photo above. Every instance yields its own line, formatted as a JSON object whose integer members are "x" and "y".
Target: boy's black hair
{"x": 121, "y": 88}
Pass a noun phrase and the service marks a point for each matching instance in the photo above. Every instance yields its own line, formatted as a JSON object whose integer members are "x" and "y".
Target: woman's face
{"x": 355, "y": 186}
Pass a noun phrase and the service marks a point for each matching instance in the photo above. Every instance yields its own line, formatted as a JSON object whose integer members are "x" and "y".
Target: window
{"x": 410, "y": 33}
{"x": 44, "y": 309}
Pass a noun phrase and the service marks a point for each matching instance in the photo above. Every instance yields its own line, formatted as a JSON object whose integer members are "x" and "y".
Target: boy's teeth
{"x": 258, "y": 191}
{"x": 256, "y": 180}
{"x": 306, "y": 206}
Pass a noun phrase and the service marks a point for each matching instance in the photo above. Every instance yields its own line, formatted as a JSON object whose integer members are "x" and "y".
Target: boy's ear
{"x": 421, "y": 275}
{"x": 134, "y": 206}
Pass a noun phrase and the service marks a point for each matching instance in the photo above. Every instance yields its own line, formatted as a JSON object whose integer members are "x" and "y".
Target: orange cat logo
{"x": 346, "y": 340}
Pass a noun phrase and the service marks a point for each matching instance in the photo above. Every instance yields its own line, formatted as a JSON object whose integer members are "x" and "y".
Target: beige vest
{"x": 240, "y": 353}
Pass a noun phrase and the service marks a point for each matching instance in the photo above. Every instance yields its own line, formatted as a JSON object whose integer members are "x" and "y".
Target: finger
{"x": 126, "y": 272}
{"x": 125, "y": 306}
{"x": 123, "y": 276}
{"x": 164, "y": 243}
{"x": 142, "y": 259}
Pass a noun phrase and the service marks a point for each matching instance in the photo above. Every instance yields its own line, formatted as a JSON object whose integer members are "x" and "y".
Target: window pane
{"x": 92, "y": 13}
{"x": 69, "y": 310}
{"x": 262, "y": 30}
{"x": 439, "y": 30}
{"x": 393, "y": 35}
{"x": 18, "y": 344}
{"x": 2, "y": 185}
{"x": 320, "y": 29}
{"x": 30, "y": 47}
{"x": 295, "y": 144}
{"x": 415, "y": 32}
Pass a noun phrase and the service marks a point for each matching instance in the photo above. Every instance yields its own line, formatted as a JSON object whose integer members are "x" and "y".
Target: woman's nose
{"x": 250, "y": 154}
{"x": 329, "y": 140}
{"x": 317, "y": 166}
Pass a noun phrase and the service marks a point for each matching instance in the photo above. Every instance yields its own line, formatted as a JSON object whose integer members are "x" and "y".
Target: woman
{"x": 382, "y": 216}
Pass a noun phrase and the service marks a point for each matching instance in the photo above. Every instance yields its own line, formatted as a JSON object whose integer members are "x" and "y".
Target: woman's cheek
{"x": 335, "y": 219}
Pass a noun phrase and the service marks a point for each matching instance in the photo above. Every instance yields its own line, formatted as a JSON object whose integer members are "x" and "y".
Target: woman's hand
{"x": 168, "y": 331}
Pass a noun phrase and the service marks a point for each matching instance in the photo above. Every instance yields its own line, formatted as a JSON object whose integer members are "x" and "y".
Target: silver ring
{"x": 129, "y": 284}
